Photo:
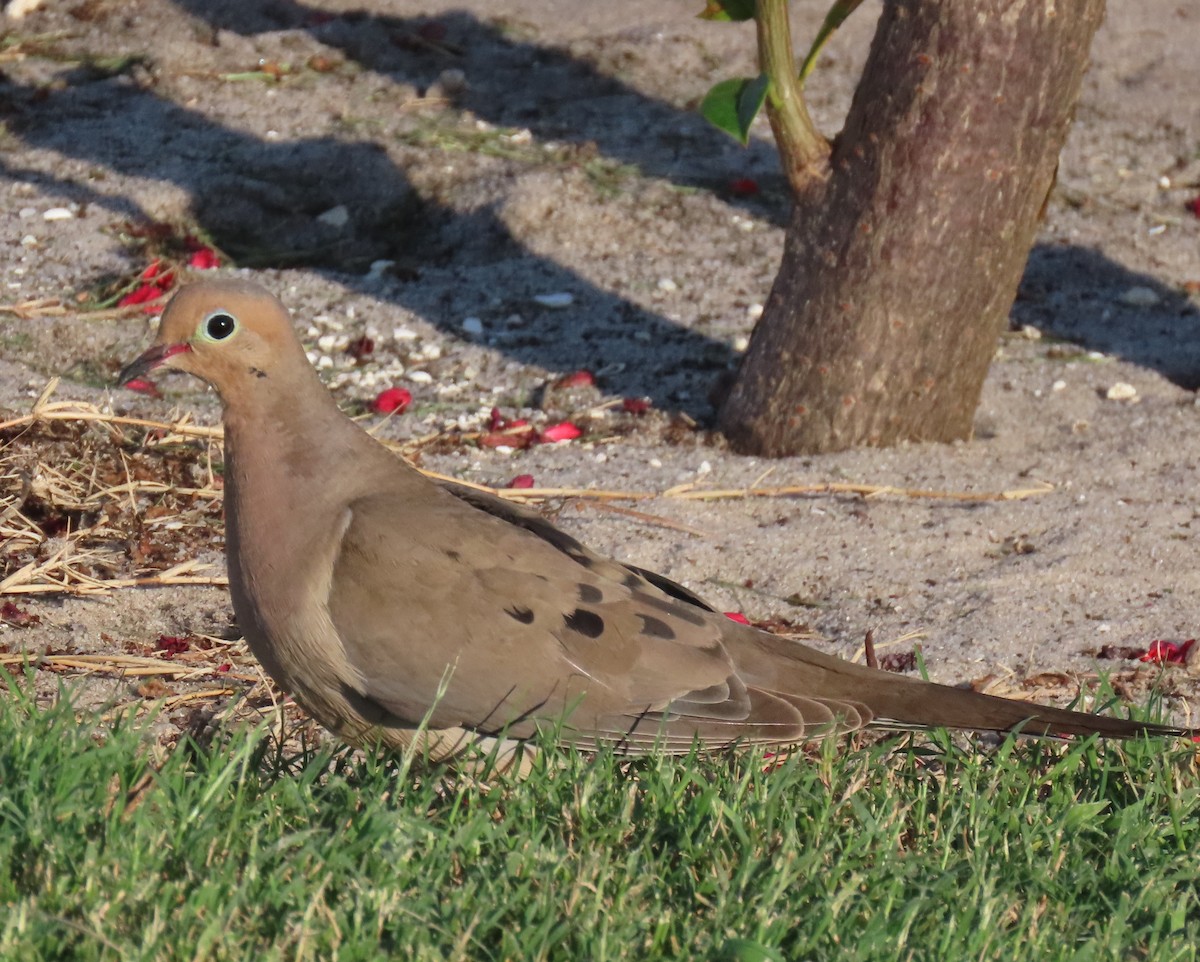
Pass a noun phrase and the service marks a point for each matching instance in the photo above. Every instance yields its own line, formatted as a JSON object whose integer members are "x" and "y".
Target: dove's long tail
{"x": 893, "y": 700}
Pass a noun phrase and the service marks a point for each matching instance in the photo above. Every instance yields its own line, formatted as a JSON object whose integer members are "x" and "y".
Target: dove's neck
{"x": 293, "y": 463}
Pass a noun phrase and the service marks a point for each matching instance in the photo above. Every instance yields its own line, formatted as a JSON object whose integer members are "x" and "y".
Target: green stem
{"x": 802, "y": 149}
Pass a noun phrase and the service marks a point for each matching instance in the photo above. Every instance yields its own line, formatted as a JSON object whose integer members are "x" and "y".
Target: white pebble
{"x": 327, "y": 343}
{"x": 1121, "y": 392}
{"x": 29, "y": 241}
{"x": 472, "y": 325}
{"x": 667, "y": 284}
{"x": 754, "y": 311}
{"x": 26, "y": 212}
{"x": 404, "y": 334}
{"x": 453, "y": 81}
{"x": 1058, "y": 386}
{"x": 705, "y": 468}
{"x": 58, "y": 213}
{"x": 655, "y": 463}
{"x": 420, "y": 377}
{"x": 324, "y": 362}
{"x": 1139, "y": 297}
{"x": 337, "y": 217}
{"x": 558, "y": 299}
{"x": 740, "y": 343}
{"x": 600, "y": 457}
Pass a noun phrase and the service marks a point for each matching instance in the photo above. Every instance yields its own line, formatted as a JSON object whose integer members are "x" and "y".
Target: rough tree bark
{"x": 901, "y": 264}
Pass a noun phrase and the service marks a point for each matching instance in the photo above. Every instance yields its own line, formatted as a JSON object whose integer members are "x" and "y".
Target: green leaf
{"x": 728, "y": 10}
{"x": 836, "y": 16}
{"x": 732, "y": 105}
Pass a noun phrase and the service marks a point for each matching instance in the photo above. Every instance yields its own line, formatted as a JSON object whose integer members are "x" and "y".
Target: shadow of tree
{"x": 266, "y": 203}
{"x": 1080, "y": 295}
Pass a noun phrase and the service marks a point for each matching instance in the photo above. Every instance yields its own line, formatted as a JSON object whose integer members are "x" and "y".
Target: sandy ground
{"x": 495, "y": 152}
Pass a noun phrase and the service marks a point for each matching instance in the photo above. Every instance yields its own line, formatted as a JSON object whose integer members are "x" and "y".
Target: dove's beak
{"x": 153, "y": 357}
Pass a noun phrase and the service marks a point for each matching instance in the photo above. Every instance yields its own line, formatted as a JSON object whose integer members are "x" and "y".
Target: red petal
{"x": 204, "y": 259}
{"x": 394, "y": 399}
{"x": 580, "y": 378}
{"x": 563, "y": 431}
{"x": 152, "y": 270}
{"x": 147, "y": 292}
{"x": 521, "y": 481}
{"x": 144, "y": 387}
{"x": 636, "y": 405}
{"x": 738, "y": 617}
{"x": 1194, "y": 205}
{"x": 743, "y": 187}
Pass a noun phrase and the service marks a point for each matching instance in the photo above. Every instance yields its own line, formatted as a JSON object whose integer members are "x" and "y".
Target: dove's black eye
{"x": 219, "y": 325}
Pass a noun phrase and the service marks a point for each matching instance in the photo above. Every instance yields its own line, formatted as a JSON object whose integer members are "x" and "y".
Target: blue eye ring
{"x": 219, "y": 325}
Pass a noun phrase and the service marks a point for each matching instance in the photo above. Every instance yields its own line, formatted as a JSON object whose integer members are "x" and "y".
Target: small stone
{"x": 1030, "y": 333}
{"x": 26, "y": 212}
{"x": 754, "y": 311}
{"x": 58, "y": 213}
{"x": 403, "y": 334}
{"x": 1121, "y": 392}
{"x": 452, "y": 81}
{"x": 1139, "y": 297}
{"x": 557, "y": 300}
{"x": 420, "y": 377}
{"x": 1058, "y": 386}
{"x": 705, "y": 468}
{"x": 472, "y": 326}
{"x": 740, "y": 343}
{"x": 336, "y": 217}
{"x": 667, "y": 284}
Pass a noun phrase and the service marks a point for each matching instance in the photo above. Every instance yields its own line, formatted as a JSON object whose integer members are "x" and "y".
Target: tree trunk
{"x": 900, "y": 268}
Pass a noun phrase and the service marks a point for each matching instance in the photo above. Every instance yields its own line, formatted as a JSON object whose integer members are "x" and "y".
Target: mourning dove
{"x": 388, "y": 604}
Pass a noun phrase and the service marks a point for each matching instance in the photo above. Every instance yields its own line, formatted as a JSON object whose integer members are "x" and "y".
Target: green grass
{"x": 1031, "y": 851}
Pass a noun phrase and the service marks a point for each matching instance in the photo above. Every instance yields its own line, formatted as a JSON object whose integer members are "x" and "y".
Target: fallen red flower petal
{"x": 563, "y": 431}
{"x": 144, "y": 387}
{"x": 743, "y": 187}
{"x": 737, "y": 616}
{"x": 224, "y": 667}
{"x": 521, "y": 481}
{"x": 10, "y": 614}
{"x": 205, "y": 259}
{"x": 1167, "y": 652}
{"x": 360, "y": 348}
{"x": 140, "y": 295}
{"x": 171, "y": 645}
{"x": 393, "y": 400}
{"x": 636, "y": 405}
{"x": 580, "y": 378}
{"x": 1194, "y": 205}
{"x": 151, "y": 270}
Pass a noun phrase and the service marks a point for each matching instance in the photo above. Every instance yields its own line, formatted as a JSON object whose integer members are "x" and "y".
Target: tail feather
{"x": 894, "y": 700}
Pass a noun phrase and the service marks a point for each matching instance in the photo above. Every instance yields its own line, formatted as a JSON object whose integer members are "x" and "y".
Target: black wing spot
{"x": 656, "y": 628}
{"x": 579, "y": 557}
{"x": 590, "y": 594}
{"x": 453, "y": 555}
{"x": 632, "y": 581}
{"x": 586, "y": 623}
{"x": 520, "y": 613}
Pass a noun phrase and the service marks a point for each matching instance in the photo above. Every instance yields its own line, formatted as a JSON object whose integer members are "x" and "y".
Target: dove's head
{"x": 228, "y": 333}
